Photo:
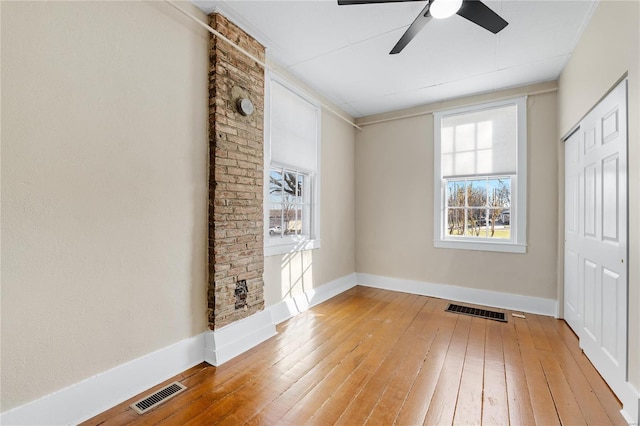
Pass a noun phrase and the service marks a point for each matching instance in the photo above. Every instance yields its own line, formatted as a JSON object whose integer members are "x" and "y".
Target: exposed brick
{"x": 237, "y": 171}
{"x": 236, "y": 176}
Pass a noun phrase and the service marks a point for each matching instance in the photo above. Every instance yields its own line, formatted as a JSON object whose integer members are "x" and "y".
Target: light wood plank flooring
{"x": 379, "y": 357}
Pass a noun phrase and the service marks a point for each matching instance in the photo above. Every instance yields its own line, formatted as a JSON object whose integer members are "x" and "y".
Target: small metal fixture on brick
{"x": 152, "y": 401}
{"x": 474, "y": 312}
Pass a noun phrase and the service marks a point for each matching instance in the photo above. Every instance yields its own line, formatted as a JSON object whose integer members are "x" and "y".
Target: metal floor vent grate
{"x": 157, "y": 398}
{"x": 482, "y": 313}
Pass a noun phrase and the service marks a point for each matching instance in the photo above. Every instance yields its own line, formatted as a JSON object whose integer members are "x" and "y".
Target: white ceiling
{"x": 343, "y": 51}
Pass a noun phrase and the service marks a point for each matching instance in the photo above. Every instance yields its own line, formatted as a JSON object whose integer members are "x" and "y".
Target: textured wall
{"x": 236, "y": 156}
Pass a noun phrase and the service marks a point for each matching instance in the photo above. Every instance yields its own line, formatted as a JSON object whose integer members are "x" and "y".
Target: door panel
{"x": 589, "y": 139}
{"x": 610, "y": 291}
{"x": 596, "y": 296}
{"x": 571, "y": 295}
{"x": 589, "y": 274}
{"x": 610, "y": 198}
{"x": 610, "y": 125}
{"x": 572, "y": 267}
{"x": 590, "y": 191}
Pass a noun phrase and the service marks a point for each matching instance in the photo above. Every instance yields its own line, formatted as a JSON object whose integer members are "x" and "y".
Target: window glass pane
{"x": 505, "y": 217}
{"x": 477, "y": 193}
{"x": 500, "y": 200}
{"x": 455, "y": 193}
{"x": 289, "y": 218}
{"x": 455, "y": 223}
{"x": 275, "y": 220}
{"x": 300, "y": 185}
{"x": 289, "y": 187}
{"x": 476, "y": 222}
{"x": 295, "y": 226}
{"x": 499, "y": 192}
{"x": 275, "y": 186}
{"x": 497, "y": 227}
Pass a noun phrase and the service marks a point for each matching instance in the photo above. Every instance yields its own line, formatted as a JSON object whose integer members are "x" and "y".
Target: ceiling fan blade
{"x": 415, "y": 27}
{"x": 479, "y": 13}
{"x": 348, "y": 2}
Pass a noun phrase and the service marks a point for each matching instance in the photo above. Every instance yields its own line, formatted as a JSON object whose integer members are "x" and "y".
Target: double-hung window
{"x": 292, "y": 147}
{"x": 480, "y": 177}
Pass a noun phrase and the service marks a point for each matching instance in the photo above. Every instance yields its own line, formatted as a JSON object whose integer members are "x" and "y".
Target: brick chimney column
{"x": 236, "y": 158}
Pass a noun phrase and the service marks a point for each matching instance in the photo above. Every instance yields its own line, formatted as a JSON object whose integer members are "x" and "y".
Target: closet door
{"x": 572, "y": 288}
{"x": 597, "y": 250}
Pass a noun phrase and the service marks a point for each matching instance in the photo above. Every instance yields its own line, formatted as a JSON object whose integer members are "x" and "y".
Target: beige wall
{"x": 292, "y": 274}
{"x": 394, "y": 206}
{"x": 104, "y": 191}
{"x": 104, "y": 188}
{"x": 608, "y": 49}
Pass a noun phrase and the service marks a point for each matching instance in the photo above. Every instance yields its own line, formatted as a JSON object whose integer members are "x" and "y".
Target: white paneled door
{"x": 572, "y": 297}
{"x": 595, "y": 291}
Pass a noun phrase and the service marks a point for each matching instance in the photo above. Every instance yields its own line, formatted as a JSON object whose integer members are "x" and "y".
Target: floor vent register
{"x": 152, "y": 401}
{"x": 474, "y": 312}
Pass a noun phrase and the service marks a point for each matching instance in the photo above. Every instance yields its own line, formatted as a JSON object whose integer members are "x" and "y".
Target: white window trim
{"x": 518, "y": 243}
{"x": 290, "y": 244}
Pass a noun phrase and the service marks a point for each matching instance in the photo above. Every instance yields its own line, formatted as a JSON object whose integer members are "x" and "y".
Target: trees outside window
{"x": 478, "y": 207}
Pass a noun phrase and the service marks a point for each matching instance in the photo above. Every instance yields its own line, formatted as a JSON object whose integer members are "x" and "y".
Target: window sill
{"x": 289, "y": 246}
{"x": 482, "y": 246}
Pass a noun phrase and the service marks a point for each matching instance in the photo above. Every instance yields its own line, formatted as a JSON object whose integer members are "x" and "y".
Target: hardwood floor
{"x": 379, "y": 357}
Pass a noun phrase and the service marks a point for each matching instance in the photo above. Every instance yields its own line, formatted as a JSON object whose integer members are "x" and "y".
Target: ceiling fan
{"x": 472, "y": 10}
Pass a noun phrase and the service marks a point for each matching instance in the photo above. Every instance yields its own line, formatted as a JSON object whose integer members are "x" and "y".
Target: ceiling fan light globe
{"x": 441, "y": 9}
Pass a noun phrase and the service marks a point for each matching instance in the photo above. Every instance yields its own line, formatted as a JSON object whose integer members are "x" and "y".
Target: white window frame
{"x": 291, "y": 243}
{"x": 518, "y": 210}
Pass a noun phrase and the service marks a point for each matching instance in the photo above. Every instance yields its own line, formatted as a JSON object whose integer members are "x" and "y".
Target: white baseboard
{"x": 230, "y": 341}
{"x": 240, "y": 336}
{"x": 90, "y": 397}
{"x": 83, "y": 400}
{"x": 516, "y": 302}
{"x": 630, "y": 398}
{"x": 289, "y": 308}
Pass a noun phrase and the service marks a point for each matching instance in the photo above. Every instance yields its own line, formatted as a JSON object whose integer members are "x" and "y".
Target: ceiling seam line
{"x": 253, "y": 58}
{"x": 432, "y": 110}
